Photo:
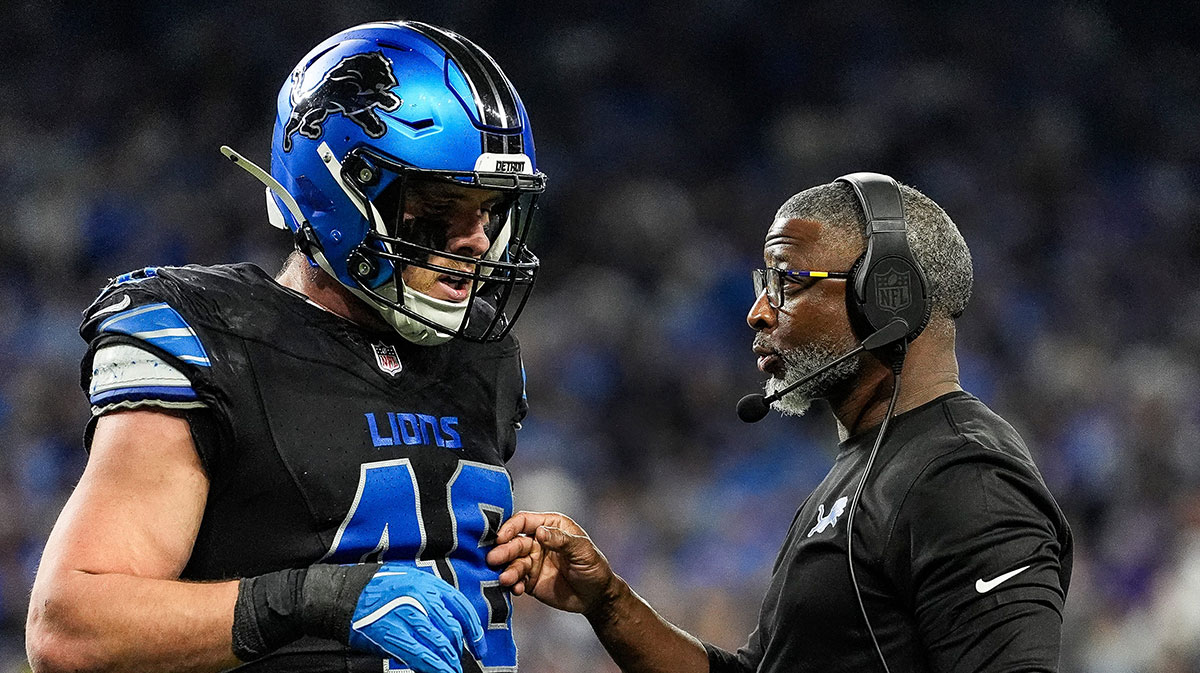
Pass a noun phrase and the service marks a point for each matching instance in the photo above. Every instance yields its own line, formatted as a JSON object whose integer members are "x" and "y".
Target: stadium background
{"x": 1062, "y": 138}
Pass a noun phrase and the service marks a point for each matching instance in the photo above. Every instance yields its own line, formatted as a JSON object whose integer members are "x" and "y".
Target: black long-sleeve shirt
{"x": 962, "y": 556}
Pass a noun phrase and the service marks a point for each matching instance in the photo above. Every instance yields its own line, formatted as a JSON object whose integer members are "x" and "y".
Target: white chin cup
{"x": 447, "y": 314}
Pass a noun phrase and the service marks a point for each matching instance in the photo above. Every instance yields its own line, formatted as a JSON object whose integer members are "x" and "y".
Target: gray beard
{"x": 804, "y": 360}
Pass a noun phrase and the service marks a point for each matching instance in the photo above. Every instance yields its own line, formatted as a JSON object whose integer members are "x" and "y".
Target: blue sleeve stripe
{"x": 164, "y": 393}
{"x": 149, "y": 335}
{"x": 146, "y": 317}
{"x": 161, "y": 326}
{"x": 179, "y": 346}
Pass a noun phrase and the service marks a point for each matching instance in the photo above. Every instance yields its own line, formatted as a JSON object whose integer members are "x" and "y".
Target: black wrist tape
{"x": 274, "y": 609}
{"x": 329, "y": 596}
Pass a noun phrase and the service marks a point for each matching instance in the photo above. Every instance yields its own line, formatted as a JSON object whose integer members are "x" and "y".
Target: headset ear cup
{"x": 855, "y": 304}
{"x": 867, "y": 315}
{"x": 888, "y": 281}
{"x": 928, "y": 306}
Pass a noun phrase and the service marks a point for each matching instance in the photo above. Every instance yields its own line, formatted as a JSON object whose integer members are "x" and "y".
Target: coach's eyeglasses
{"x": 771, "y": 281}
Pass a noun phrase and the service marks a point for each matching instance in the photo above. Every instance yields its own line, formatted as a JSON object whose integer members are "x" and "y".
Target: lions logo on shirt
{"x": 823, "y": 521}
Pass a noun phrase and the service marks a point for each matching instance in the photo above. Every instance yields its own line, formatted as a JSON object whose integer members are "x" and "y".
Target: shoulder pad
{"x": 142, "y": 305}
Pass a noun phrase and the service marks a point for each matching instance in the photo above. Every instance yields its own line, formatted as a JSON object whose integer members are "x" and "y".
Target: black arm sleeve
{"x": 745, "y": 660}
{"x": 983, "y": 553}
{"x": 723, "y": 661}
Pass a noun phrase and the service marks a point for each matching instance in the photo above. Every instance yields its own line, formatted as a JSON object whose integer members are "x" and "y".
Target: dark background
{"x": 1061, "y": 137}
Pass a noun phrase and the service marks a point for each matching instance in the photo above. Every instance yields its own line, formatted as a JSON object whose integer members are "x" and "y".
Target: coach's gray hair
{"x": 934, "y": 239}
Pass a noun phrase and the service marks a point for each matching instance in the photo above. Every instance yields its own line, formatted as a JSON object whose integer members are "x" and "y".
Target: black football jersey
{"x": 323, "y": 441}
{"x": 961, "y": 554}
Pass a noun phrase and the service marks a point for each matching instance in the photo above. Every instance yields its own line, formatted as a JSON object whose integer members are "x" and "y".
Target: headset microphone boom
{"x": 754, "y": 407}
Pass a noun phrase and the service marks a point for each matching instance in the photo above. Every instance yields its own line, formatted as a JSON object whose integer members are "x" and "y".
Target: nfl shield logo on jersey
{"x": 387, "y": 358}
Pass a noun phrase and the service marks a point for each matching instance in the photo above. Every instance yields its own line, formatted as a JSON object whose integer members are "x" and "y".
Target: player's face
{"x": 811, "y": 327}
{"x": 460, "y": 220}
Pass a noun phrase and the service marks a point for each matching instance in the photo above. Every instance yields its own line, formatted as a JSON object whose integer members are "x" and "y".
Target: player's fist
{"x": 390, "y": 610}
{"x": 552, "y": 558}
{"x": 416, "y": 617}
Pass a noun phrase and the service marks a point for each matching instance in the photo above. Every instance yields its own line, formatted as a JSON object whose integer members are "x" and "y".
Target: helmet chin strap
{"x": 447, "y": 314}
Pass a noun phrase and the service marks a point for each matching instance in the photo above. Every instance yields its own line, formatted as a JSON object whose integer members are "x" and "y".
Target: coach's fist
{"x": 550, "y": 557}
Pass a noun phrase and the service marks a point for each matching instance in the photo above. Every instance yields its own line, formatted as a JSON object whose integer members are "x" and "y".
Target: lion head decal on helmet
{"x": 354, "y": 87}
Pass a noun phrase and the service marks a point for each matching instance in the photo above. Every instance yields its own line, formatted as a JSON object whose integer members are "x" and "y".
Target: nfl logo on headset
{"x": 387, "y": 358}
{"x": 892, "y": 291}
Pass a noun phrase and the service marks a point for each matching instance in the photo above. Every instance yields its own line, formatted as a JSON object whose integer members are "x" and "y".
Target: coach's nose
{"x": 762, "y": 315}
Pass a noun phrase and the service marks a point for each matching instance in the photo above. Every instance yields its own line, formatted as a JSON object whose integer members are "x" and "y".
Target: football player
{"x": 304, "y": 472}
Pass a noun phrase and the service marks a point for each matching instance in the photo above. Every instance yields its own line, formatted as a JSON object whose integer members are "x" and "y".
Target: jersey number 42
{"x": 392, "y": 518}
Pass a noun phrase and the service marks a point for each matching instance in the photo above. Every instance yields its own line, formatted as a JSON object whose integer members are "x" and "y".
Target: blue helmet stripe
{"x": 161, "y": 326}
{"x": 495, "y": 100}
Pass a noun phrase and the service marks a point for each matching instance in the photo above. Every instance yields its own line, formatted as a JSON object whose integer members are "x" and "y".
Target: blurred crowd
{"x": 1061, "y": 137}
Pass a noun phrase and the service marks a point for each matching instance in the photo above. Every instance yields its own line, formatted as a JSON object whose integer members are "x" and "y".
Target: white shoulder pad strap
{"x": 125, "y": 376}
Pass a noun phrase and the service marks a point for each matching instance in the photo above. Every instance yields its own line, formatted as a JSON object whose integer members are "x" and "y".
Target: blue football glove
{"x": 416, "y": 617}
{"x": 390, "y": 610}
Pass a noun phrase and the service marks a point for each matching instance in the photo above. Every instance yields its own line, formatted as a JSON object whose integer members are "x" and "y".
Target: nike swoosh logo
{"x": 983, "y": 587}
{"x": 114, "y": 308}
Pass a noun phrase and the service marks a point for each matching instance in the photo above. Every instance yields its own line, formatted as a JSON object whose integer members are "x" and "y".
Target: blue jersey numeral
{"x": 476, "y": 522}
{"x": 385, "y": 523}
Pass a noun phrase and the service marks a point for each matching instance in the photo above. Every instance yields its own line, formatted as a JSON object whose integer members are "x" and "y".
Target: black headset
{"x": 886, "y": 281}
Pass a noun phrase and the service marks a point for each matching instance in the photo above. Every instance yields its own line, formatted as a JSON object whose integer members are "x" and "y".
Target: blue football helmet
{"x": 372, "y": 113}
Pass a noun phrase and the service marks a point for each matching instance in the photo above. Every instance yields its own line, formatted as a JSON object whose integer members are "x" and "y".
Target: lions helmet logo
{"x": 355, "y": 87}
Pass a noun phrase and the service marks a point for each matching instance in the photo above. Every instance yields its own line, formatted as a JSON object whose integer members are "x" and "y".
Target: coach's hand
{"x": 390, "y": 610}
{"x": 550, "y": 557}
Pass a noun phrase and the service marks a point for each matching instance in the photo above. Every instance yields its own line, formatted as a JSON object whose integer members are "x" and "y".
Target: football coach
{"x": 931, "y": 545}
